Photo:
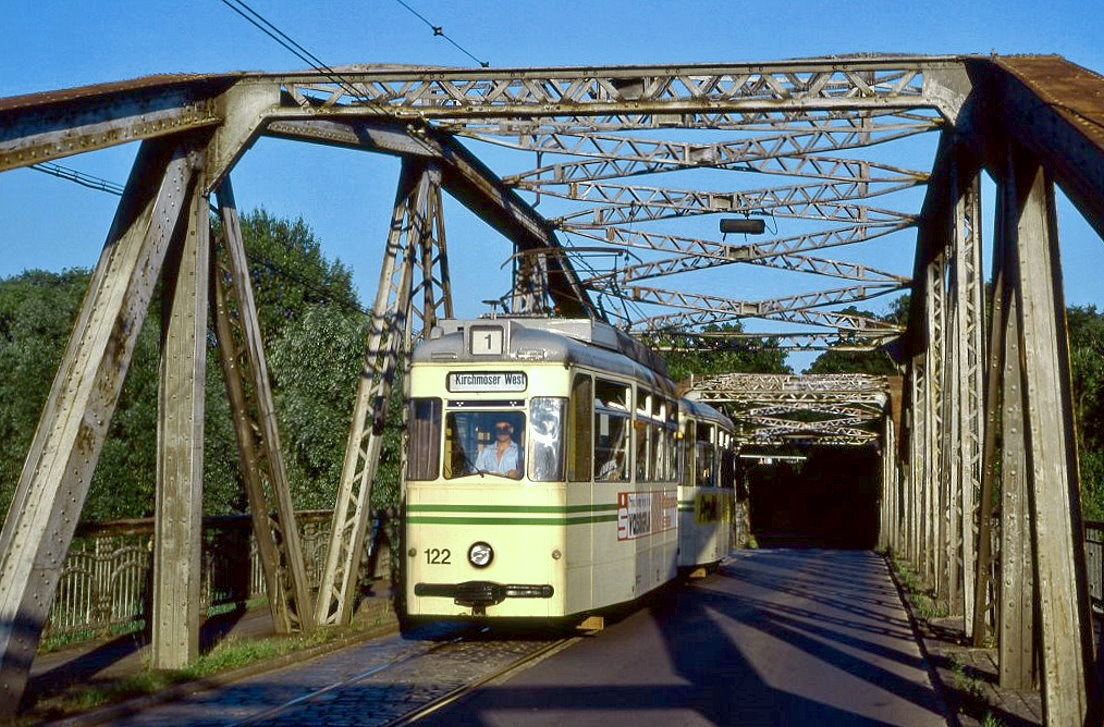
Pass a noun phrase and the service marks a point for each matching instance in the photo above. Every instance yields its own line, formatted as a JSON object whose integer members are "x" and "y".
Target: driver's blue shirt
{"x": 488, "y": 460}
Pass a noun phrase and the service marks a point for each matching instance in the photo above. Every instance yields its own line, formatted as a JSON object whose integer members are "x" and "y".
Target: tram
{"x": 552, "y": 471}
{"x": 707, "y": 503}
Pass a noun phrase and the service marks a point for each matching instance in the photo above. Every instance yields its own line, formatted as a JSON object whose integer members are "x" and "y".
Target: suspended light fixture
{"x": 744, "y": 225}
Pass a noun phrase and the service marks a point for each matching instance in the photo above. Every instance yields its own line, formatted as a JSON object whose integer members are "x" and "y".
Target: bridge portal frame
{"x": 194, "y": 128}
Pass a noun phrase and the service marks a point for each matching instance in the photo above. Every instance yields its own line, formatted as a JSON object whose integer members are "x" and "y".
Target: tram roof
{"x": 706, "y": 412}
{"x": 547, "y": 339}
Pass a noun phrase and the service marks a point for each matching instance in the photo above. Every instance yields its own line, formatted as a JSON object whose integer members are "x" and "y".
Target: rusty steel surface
{"x": 86, "y": 93}
{"x": 1073, "y": 92}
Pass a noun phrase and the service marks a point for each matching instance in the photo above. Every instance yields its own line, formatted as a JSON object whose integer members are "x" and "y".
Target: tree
{"x": 1085, "y": 327}
{"x": 36, "y": 315}
{"x": 290, "y": 279}
{"x": 876, "y": 362}
{"x": 295, "y": 288}
{"x": 315, "y": 366}
{"x": 289, "y": 272}
{"x": 705, "y": 356}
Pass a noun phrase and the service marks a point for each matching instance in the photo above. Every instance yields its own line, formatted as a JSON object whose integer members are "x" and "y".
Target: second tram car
{"x": 553, "y": 471}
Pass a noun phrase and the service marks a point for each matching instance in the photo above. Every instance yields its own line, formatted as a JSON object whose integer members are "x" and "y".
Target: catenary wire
{"x": 104, "y": 185}
{"x": 439, "y": 31}
{"x": 269, "y": 28}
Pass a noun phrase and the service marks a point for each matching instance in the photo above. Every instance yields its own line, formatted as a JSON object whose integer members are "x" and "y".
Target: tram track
{"x": 413, "y": 681}
{"x": 458, "y": 694}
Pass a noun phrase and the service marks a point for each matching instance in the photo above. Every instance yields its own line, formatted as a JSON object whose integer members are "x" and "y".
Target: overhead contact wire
{"x": 439, "y": 31}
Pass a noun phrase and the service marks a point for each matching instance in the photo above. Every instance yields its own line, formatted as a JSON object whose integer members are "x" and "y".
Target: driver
{"x": 504, "y": 456}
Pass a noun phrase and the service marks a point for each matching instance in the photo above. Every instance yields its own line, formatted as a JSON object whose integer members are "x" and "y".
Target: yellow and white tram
{"x": 706, "y": 487}
{"x": 545, "y": 471}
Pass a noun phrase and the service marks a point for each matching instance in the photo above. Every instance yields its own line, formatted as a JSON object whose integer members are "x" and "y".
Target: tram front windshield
{"x": 507, "y": 442}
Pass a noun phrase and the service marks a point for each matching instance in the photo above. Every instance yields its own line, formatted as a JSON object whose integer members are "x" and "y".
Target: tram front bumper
{"x": 482, "y": 593}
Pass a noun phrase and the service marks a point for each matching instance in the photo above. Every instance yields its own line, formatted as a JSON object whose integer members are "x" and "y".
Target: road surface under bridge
{"x": 772, "y": 637}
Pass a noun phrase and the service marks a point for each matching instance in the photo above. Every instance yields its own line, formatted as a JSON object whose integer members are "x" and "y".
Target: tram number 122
{"x": 438, "y": 556}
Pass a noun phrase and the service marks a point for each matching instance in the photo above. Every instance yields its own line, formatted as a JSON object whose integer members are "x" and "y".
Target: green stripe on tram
{"x": 478, "y": 514}
{"x": 547, "y": 509}
{"x": 444, "y": 520}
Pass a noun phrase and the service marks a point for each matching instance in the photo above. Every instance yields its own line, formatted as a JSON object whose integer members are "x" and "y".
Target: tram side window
{"x": 686, "y": 454}
{"x": 423, "y": 454}
{"x": 670, "y": 441}
{"x": 546, "y": 438}
{"x": 611, "y": 430}
{"x": 706, "y": 465}
{"x": 580, "y": 426}
{"x": 645, "y": 448}
{"x": 728, "y": 467}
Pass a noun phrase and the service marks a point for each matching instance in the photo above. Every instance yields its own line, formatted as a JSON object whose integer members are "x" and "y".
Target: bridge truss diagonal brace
{"x": 59, "y": 466}
{"x": 416, "y": 228}
{"x": 467, "y": 180}
{"x": 245, "y": 370}
{"x": 1066, "y": 638}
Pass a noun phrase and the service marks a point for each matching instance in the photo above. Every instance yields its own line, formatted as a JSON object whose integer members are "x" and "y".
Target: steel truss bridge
{"x": 625, "y": 160}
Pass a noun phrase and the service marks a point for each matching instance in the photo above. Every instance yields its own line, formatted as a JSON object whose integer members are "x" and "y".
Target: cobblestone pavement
{"x": 370, "y": 683}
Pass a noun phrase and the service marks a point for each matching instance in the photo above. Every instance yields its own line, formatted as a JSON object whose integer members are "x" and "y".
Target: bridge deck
{"x": 810, "y": 633}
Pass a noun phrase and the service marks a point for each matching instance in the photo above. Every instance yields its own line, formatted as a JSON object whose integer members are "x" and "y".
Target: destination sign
{"x": 487, "y": 381}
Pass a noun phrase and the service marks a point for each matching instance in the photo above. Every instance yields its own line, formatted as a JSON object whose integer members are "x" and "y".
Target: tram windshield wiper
{"x": 472, "y": 469}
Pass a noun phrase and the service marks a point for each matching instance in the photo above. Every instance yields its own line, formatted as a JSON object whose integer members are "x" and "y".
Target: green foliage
{"x": 720, "y": 355}
{"x": 289, "y": 272}
{"x": 309, "y": 321}
{"x": 36, "y": 315}
{"x": 1086, "y": 341}
{"x": 304, "y": 303}
{"x": 315, "y": 366}
{"x": 125, "y": 480}
{"x": 877, "y": 362}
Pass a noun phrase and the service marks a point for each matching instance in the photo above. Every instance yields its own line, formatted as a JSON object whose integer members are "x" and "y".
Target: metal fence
{"x": 1094, "y": 562}
{"x": 105, "y": 582}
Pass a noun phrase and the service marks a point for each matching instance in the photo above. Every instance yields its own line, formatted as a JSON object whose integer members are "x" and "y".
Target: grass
{"x": 968, "y": 690}
{"x": 991, "y": 721}
{"x": 137, "y": 626}
{"x": 965, "y": 683}
{"x": 230, "y": 654}
{"x": 924, "y": 606}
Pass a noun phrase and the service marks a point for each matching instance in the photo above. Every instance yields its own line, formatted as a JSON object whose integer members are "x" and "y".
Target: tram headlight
{"x": 480, "y": 555}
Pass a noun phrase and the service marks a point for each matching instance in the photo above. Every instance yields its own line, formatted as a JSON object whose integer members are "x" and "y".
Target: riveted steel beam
{"x": 260, "y": 456}
{"x": 818, "y": 167}
{"x": 54, "y": 483}
{"x": 532, "y": 133}
{"x": 1055, "y": 109}
{"x": 1066, "y": 638}
{"x": 44, "y": 126}
{"x": 815, "y": 84}
{"x": 465, "y": 178}
{"x": 811, "y": 134}
{"x": 805, "y": 341}
{"x": 415, "y": 241}
{"x": 816, "y": 240}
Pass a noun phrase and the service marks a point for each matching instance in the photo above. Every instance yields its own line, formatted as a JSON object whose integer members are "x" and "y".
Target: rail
{"x": 105, "y": 583}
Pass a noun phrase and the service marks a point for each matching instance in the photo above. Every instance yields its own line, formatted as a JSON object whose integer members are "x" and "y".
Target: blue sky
{"x": 53, "y": 224}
